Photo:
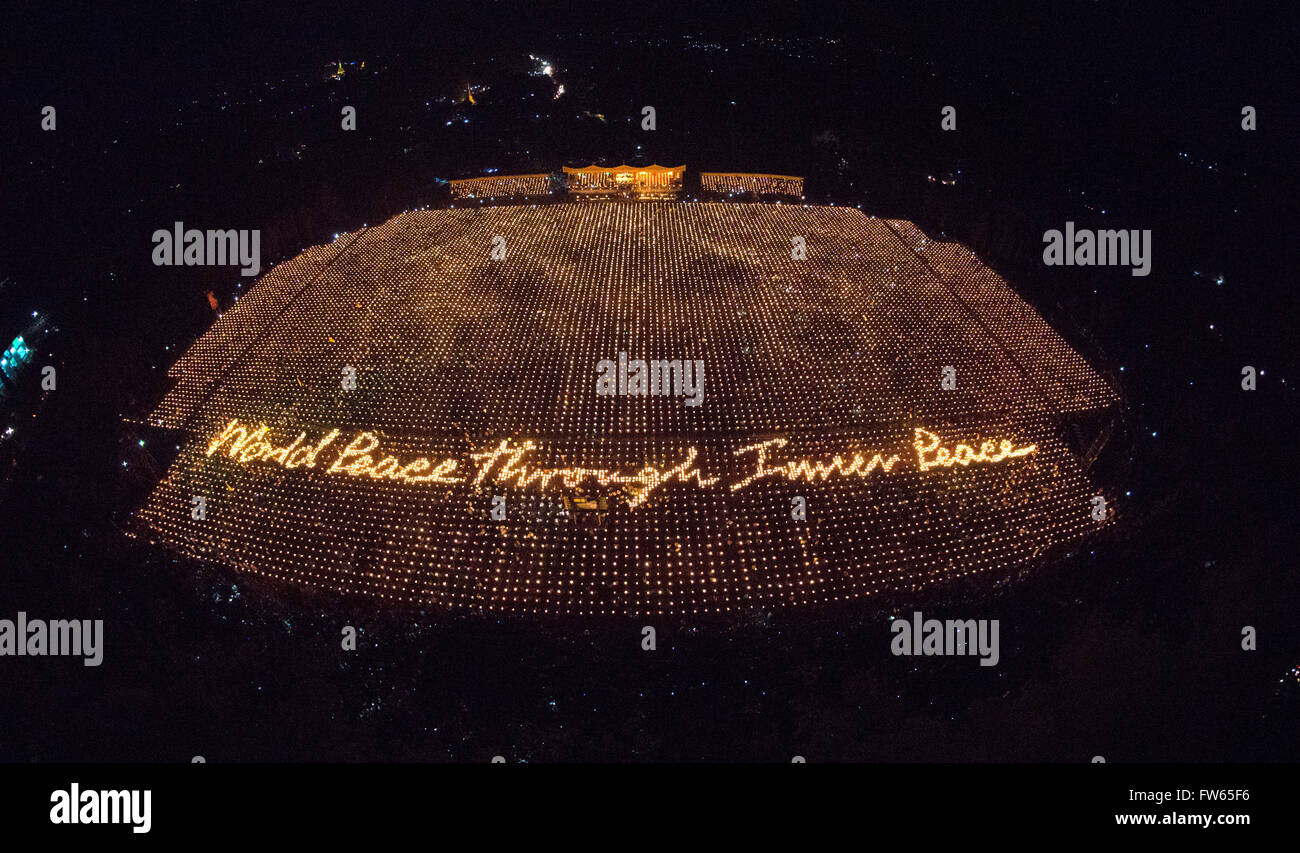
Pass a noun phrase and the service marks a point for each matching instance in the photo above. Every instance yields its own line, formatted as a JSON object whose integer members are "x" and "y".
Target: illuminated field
{"x": 477, "y": 378}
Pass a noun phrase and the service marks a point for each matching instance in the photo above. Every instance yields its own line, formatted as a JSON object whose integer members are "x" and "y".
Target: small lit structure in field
{"x": 751, "y": 183}
{"x": 638, "y": 181}
{"x": 502, "y": 186}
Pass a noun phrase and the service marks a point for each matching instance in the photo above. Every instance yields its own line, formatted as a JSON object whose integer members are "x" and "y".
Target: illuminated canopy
{"x": 476, "y": 379}
{"x": 641, "y": 180}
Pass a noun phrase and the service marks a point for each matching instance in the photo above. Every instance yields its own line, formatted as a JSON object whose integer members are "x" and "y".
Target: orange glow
{"x": 505, "y": 463}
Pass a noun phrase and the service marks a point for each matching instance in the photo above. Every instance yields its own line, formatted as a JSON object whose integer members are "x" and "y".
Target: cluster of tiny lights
{"x": 823, "y": 379}
{"x": 740, "y": 183}
{"x": 497, "y": 186}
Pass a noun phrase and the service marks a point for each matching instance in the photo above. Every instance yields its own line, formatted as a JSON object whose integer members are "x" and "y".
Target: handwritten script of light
{"x": 507, "y": 464}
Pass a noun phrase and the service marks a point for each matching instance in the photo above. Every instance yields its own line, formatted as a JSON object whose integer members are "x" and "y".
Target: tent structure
{"x": 635, "y": 180}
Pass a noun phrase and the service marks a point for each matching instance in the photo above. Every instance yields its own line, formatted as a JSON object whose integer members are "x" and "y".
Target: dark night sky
{"x": 1161, "y": 51}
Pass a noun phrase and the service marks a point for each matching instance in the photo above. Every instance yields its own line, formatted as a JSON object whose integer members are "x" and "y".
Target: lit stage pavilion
{"x": 478, "y": 378}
